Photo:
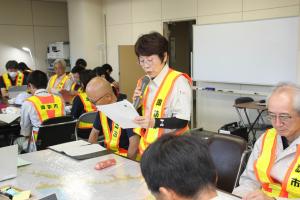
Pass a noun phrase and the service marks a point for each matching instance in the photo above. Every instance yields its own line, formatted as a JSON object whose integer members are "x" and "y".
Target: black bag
{"x": 235, "y": 129}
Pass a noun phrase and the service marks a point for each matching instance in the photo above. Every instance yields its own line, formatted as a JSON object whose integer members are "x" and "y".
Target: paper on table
{"x": 78, "y": 149}
{"x": 22, "y": 162}
{"x": 122, "y": 112}
{"x": 8, "y": 118}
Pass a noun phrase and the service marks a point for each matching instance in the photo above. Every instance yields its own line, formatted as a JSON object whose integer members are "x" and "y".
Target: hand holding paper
{"x": 122, "y": 113}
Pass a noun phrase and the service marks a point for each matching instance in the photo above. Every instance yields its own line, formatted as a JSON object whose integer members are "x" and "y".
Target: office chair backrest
{"x": 88, "y": 117}
{"x": 226, "y": 152}
{"x": 56, "y": 130}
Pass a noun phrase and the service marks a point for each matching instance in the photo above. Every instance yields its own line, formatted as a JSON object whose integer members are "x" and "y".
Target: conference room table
{"x": 53, "y": 172}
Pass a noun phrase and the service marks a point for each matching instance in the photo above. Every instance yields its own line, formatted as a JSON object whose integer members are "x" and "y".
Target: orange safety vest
{"x": 61, "y": 84}
{"x": 157, "y": 109}
{"x": 79, "y": 89}
{"x": 290, "y": 187}
{"x": 112, "y": 137}
{"x": 18, "y": 82}
{"x": 47, "y": 107}
{"x": 88, "y": 107}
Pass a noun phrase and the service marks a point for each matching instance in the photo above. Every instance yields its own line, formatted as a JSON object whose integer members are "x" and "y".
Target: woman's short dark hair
{"x": 38, "y": 79}
{"x": 107, "y": 67}
{"x": 77, "y": 69}
{"x": 151, "y": 44}
{"x": 81, "y": 62}
{"x": 85, "y": 76}
{"x": 179, "y": 163}
{"x": 23, "y": 67}
{"x": 11, "y": 64}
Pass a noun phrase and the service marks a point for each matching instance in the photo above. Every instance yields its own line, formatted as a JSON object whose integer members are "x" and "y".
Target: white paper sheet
{"x": 121, "y": 112}
{"x": 8, "y": 118}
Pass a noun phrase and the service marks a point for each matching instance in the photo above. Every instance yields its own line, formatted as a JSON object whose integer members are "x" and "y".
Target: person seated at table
{"x": 179, "y": 168}
{"x": 11, "y": 78}
{"x": 76, "y": 88}
{"x": 108, "y": 69}
{"x": 37, "y": 108}
{"x": 81, "y": 104}
{"x": 273, "y": 168}
{"x": 122, "y": 141}
{"x": 100, "y": 71}
{"x": 60, "y": 80}
{"x": 81, "y": 62}
{"x": 22, "y": 67}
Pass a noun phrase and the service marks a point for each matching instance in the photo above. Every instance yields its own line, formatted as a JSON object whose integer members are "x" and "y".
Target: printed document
{"x": 122, "y": 113}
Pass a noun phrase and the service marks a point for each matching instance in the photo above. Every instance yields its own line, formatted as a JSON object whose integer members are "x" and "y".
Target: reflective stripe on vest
{"x": 111, "y": 137}
{"x": 88, "y": 107}
{"x": 18, "y": 82}
{"x": 47, "y": 107}
{"x": 61, "y": 84}
{"x": 73, "y": 88}
{"x": 290, "y": 187}
{"x": 157, "y": 109}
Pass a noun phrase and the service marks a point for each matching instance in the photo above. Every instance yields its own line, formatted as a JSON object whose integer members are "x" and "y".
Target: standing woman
{"x": 166, "y": 102}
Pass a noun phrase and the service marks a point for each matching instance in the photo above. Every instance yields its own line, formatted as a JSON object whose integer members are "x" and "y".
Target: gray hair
{"x": 60, "y": 61}
{"x": 296, "y": 98}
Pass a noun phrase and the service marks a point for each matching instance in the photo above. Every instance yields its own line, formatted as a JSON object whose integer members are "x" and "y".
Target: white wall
{"x": 86, "y": 31}
{"x": 127, "y": 19}
{"x": 33, "y": 24}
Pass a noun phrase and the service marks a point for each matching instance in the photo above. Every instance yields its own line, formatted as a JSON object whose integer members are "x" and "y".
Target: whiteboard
{"x": 262, "y": 52}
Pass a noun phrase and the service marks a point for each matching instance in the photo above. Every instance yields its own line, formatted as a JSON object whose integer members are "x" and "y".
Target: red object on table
{"x": 105, "y": 163}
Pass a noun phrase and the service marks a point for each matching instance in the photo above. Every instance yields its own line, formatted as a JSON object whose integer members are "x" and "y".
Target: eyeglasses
{"x": 95, "y": 102}
{"x": 143, "y": 61}
{"x": 283, "y": 117}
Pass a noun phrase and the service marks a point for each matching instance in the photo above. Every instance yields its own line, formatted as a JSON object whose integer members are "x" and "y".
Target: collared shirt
{"x": 179, "y": 103}
{"x": 29, "y": 117}
{"x": 284, "y": 157}
{"x": 67, "y": 85}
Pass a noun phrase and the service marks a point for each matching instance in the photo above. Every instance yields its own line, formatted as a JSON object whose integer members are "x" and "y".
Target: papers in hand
{"x": 79, "y": 149}
{"x": 122, "y": 113}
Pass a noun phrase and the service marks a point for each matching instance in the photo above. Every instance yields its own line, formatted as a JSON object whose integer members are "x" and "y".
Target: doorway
{"x": 180, "y": 37}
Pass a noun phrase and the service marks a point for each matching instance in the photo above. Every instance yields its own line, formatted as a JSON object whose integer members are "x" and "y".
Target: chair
{"x": 243, "y": 100}
{"x": 88, "y": 117}
{"x": 227, "y": 152}
{"x": 54, "y": 131}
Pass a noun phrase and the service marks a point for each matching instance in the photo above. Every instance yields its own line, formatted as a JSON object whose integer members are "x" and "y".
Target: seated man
{"x": 81, "y": 104}
{"x": 122, "y": 141}
{"x": 273, "y": 169}
{"x": 76, "y": 87}
{"x": 179, "y": 168}
{"x": 60, "y": 80}
{"x": 11, "y": 78}
{"x": 37, "y": 108}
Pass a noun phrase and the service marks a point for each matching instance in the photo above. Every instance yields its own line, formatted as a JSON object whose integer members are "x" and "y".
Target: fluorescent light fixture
{"x": 26, "y": 49}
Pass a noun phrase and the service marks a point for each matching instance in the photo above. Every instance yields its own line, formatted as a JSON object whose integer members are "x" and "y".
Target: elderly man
{"x": 273, "y": 169}
{"x": 122, "y": 141}
{"x": 59, "y": 81}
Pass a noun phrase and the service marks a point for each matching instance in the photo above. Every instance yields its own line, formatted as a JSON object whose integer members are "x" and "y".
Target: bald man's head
{"x": 100, "y": 92}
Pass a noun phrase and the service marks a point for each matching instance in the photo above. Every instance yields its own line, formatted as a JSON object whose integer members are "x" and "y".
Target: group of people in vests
{"x": 273, "y": 170}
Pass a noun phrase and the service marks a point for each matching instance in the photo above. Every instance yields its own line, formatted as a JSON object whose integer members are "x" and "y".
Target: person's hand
{"x": 145, "y": 122}
{"x": 137, "y": 93}
{"x": 257, "y": 195}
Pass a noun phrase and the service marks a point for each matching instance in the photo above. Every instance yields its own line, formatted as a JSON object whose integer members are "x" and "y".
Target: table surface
{"x": 251, "y": 105}
{"x": 52, "y": 172}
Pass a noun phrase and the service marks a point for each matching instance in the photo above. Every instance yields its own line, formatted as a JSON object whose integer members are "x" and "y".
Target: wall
{"x": 86, "y": 32}
{"x": 33, "y": 24}
{"x": 127, "y": 19}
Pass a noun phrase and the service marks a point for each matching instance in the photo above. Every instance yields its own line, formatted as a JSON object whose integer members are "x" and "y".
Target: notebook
{"x": 13, "y": 91}
{"x": 9, "y": 165}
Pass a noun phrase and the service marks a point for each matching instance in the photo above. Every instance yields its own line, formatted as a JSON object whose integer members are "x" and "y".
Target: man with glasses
{"x": 166, "y": 102}
{"x": 273, "y": 169}
{"x": 122, "y": 141}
